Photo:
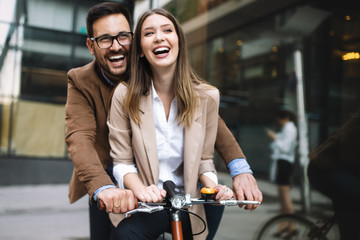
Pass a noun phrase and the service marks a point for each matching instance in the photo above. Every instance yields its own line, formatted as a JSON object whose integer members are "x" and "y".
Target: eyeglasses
{"x": 123, "y": 38}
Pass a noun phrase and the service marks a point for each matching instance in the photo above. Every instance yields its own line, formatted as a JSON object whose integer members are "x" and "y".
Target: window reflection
{"x": 245, "y": 48}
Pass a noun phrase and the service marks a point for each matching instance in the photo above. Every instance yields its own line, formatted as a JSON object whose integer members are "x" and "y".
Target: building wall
{"x": 245, "y": 48}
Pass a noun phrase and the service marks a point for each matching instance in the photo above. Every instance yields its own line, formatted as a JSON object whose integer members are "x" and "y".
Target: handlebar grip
{"x": 100, "y": 204}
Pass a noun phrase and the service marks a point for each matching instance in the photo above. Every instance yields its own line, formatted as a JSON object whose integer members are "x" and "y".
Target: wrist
{"x": 96, "y": 193}
{"x": 239, "y": 166}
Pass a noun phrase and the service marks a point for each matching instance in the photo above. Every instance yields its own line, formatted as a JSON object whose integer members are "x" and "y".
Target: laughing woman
{"x": 163, "y": 126}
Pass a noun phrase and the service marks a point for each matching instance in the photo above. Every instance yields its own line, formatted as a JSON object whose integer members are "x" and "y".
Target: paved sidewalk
{"x": 39, "y": 212}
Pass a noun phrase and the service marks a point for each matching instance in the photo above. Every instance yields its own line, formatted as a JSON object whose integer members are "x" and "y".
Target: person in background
{"x": 334, "y": 170}
{"x": 89, "y": 89}
{"x": 283, "y": 148}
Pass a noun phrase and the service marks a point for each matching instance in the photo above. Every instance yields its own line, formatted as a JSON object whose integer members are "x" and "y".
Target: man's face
{"x": 112, "y": 60}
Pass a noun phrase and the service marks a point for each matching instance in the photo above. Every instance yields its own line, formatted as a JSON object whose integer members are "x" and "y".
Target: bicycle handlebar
{"x": 154, "y": 207}
{"x": 177, "y": 200}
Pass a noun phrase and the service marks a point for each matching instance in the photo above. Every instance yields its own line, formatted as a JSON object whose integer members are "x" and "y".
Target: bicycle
{"x": 177, "y": 201}
{"x": 303, "y": 228}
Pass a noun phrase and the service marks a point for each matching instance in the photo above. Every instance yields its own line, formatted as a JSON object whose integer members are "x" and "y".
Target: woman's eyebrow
{"x": 163, "y": 25}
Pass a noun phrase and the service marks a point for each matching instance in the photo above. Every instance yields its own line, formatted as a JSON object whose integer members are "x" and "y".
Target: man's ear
{"x": 90, "y": 45}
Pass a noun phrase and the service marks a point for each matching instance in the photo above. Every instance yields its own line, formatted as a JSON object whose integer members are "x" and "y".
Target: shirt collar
{"x": 155, "y": 96}
{"x": 153, "y": 92}
{"x": 111, "y": 83}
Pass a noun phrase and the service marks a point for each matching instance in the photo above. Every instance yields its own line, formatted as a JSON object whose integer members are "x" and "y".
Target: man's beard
{"x": 108, "y": 70}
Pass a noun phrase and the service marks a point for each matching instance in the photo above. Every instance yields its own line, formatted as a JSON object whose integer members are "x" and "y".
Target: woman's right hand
{"x": 150, "y": 194}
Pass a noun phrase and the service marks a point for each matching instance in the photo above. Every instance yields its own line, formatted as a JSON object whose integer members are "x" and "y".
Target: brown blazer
{"x": 133, "y": 142}
{"x": 87, "y": 133}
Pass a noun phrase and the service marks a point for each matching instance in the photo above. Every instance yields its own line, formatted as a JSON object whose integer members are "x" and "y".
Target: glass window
{"x": 35, "y": 57}
{"x": 7, "y": 10}
{"x": 253, "y": 66}
{"x": 50, "y": 14}
{"x": 83, "y": 8}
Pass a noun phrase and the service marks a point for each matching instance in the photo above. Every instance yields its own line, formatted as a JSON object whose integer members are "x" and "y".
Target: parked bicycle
{"x": 296, "y": 227}
{"x": 177, "y": 201}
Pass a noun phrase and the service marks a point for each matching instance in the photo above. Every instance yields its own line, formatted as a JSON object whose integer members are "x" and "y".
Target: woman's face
{"x": 159, "y": 41}
{"x": 283, "y": 121}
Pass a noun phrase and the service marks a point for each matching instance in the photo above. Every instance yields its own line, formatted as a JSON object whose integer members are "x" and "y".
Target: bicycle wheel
{"x": 287, "y": 226}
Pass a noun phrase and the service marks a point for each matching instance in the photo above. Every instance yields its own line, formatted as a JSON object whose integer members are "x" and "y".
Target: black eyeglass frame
{"x": 112, "y": 39}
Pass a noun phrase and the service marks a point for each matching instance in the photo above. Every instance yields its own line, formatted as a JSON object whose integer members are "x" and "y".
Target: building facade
{"x": 246, "y": 48}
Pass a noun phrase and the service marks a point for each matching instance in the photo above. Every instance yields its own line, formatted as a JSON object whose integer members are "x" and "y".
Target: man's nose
{"x": 115, "y": 45}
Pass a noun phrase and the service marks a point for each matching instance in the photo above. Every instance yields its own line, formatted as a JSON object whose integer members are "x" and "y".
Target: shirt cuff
{"x": 120, "y": 170}
{"x": 100, "y": 189}
{"x": 239, "y": 166}
{"x": 212, "y": 177}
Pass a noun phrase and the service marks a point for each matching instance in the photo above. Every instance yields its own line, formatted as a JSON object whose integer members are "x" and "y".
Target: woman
{"x": 283, "y": 158}
{"x": 162, "y": 125}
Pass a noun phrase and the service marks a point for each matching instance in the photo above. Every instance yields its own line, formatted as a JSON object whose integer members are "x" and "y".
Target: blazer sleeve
{"x": 226, "y": 145}
{"x": 212, "y": 112}
{"x": 120, "y": 129}
{"x": 81, "y": 136}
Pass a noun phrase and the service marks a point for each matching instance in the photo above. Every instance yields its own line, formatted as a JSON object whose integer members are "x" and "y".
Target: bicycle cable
{"x": 196, "y": 215}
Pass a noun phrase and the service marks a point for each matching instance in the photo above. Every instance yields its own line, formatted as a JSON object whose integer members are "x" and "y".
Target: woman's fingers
{"x": 223, "y": 192}
{"x": 151, "y": 194}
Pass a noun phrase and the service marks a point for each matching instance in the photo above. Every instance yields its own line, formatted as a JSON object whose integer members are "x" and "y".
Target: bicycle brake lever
{"x": 145, "y": 209}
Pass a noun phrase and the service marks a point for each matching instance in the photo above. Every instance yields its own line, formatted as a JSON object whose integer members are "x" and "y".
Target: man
{"x": 89, "y": 90}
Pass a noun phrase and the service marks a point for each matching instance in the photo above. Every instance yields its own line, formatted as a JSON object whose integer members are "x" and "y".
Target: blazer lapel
{"x": 191, "y": 147}
{"x": 147, "y": 128}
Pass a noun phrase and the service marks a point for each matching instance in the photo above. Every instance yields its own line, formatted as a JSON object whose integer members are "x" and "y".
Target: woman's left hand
{"x": 223, "y": 192}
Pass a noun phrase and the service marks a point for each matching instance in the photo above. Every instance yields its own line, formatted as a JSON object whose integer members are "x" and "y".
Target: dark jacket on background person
{"x": 341, "y": 149}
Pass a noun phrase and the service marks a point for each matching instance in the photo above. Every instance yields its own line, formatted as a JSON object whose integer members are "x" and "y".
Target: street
{"x": 36, "y": 212}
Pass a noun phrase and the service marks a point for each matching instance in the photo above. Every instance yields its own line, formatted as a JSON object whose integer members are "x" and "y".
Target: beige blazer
{"x": 136, "y": 143}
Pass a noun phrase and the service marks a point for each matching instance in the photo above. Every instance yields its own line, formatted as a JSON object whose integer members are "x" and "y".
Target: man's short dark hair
{"x": 102, "y": 10}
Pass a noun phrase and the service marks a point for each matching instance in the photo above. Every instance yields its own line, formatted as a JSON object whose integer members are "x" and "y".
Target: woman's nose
{"x": 159, "y": 37}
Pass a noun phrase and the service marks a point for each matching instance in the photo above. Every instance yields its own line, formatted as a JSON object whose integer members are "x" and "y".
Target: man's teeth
{"x": 116, "y": 57}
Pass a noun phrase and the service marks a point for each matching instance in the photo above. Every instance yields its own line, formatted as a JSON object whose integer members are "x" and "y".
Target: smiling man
{"x": 111, "y": 55}
{"x": 89, "y": 89}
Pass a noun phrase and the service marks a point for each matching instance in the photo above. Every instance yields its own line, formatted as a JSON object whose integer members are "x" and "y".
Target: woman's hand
{"x": 271, "y": 134}
{"x": 150, "y": 194}
{"x": 223, "y": 192}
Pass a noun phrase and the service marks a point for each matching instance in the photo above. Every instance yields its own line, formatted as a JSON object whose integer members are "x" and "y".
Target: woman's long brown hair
{"x": 140, "y": 74}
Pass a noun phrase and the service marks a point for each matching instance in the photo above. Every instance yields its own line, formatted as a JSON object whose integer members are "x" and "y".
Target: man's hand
{"x": 117, "y": 200}
{"x": 245, "y": 188}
